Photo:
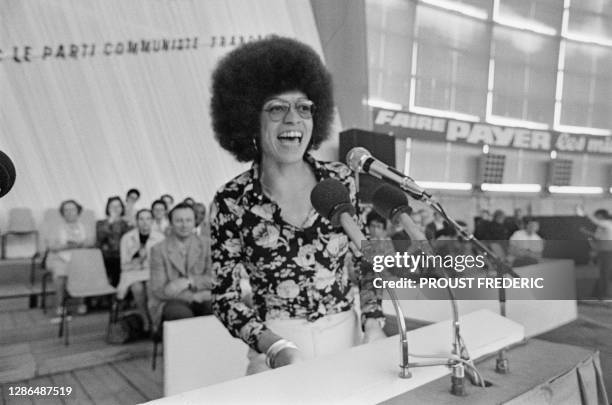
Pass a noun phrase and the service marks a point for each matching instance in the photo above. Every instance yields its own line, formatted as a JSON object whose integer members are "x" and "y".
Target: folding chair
{"x": 51, "y": 220}
{"x": 86, "y": 278}
{"x": 156, "y": 337}
{"x": 21, "y": 223}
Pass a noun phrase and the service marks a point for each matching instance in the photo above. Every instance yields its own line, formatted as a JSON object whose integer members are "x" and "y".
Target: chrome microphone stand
{"x": 501, "y": 268}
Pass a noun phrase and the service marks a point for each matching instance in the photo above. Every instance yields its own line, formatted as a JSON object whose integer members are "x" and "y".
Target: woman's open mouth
{"x": 290, "y": 137}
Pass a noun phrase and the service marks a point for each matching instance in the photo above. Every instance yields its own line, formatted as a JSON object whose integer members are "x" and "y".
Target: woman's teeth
{"x": 290, "y": 136}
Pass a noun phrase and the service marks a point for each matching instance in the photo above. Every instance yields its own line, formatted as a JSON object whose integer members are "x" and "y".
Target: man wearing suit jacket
{"x": 180, "y": 271}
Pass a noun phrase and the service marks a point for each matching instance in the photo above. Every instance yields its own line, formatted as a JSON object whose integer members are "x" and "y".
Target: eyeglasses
{"x": 278, "y": 109}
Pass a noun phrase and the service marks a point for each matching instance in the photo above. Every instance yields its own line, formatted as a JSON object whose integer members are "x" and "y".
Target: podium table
{"x": 541, "y": 373}
{"x": 364, "y": 374}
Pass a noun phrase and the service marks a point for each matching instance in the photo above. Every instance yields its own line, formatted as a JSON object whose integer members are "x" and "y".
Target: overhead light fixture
{"x": 588, "y": 39}
{"x": 553, "y": 154}
{"x": 444, "y": 113}
{"x": 511, "y": 187}
{"x": 441, "y": 185}
{"x": 575, "y": 190}
{"x": 373, "y": 102}
{"x": 485, "y": 148}
{"x": 526, "y": 25}
{"x": 521, "y": 23}
{"x": 582, "y": 130}
{"x": 460, "y": 8}
{"x": 514, "y": 122}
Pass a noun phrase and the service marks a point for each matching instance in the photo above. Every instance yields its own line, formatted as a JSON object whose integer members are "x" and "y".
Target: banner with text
{"x": 406, "y": 124}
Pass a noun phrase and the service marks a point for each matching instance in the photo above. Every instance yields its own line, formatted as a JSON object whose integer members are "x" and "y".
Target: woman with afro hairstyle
{"x": 271, "y": 105}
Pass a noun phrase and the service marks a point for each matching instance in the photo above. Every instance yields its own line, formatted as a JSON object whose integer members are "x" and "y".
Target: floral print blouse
{"x": 294, "y": 272}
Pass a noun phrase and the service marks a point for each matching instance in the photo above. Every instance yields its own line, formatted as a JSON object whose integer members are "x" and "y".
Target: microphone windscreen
{"x": 7, "y": 174}
{"x": 355, "y": 156}
{"x": 331, "y": 198}
{"x": 389, "y": 201}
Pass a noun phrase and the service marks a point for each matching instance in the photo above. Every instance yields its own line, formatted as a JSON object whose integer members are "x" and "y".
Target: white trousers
{"x": 325, "y": 336}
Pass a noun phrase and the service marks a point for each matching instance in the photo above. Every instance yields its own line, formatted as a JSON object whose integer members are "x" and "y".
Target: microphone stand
{"x": 457, "y": 367}
{"x": 501, "y": 268}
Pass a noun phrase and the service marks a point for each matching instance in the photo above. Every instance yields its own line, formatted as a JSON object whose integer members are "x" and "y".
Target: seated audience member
{"x": 169, "y": 200}
{"x": 602, "y": 244}
{"x": 131, "y": 198}
{"x": 108, "y": 237}
{"x": 135, "y": 271}
{"x": 435, "y": 227}
{"x": 496, "y": 233}
{"x": 70, "y": 234}
{"x": 160, "y": 216}
{"x": 497, "y": 230}
{"x": 525, "y": 245}
{"x": 397, "y": 232}
{"x": 449, "y": 242}
{"x": 377, "y": 226}
{"x": 515, "y": 222}
{"x": 180, "y": 274}
{"x": 481, "y": 224}
{"x": 201, "y": 228}
{"x": 189, "y": 201}
{"x": 384, "y": 245}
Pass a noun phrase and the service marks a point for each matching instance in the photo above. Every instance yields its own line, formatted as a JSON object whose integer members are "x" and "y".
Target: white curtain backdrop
{"x": 91, "y": 127}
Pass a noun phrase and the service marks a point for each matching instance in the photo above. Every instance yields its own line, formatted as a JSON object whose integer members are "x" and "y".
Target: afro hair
{"x": 246, "y": 77}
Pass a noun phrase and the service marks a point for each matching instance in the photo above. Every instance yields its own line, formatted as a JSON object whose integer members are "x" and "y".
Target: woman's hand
{"x": 287, "y": 356}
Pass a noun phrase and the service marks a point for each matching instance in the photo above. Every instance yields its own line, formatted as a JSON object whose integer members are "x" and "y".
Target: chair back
{"x": 21, "y": 220}
{"x": 88, "y": 219}
{"x": 87, "y": 274}
{"x": 50, "y": 222}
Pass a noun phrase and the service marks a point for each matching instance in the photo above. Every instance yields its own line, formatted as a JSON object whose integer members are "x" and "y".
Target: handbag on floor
{"x": 127, "y": 328}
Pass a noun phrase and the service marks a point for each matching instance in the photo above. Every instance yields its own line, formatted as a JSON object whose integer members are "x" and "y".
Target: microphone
{"x": 331, "y": 199}
{"x": 360, "y": 159}
{"x": 391, "y": 202}
{"x": 7, "y": 174}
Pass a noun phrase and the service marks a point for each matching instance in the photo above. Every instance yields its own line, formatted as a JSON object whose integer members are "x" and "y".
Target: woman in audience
{"x": 131, "y": 198}
{"x": 70, "y": 234}
{"x": 202, "y": 228}
{"x": 189, "y": 201}
{"x": 135, "y": 271}
{"x": 108, "y": 237}
{"x": 169, "y": 200}
{"x": 160, "y": 216}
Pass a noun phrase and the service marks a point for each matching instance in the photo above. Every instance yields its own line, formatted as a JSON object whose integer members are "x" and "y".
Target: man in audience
{"x": 135, "y": 251}
{"x": 496, "y": 233}
{"x": 377, "y": 226}
{"x": 516, "y": 222}
{"x": 602, "y": 243}
{"x": 525, "y": 245}
{"x": 481, "y": 224}
{"x": 131, "y": 198}
{"x": 180, "y": 275}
